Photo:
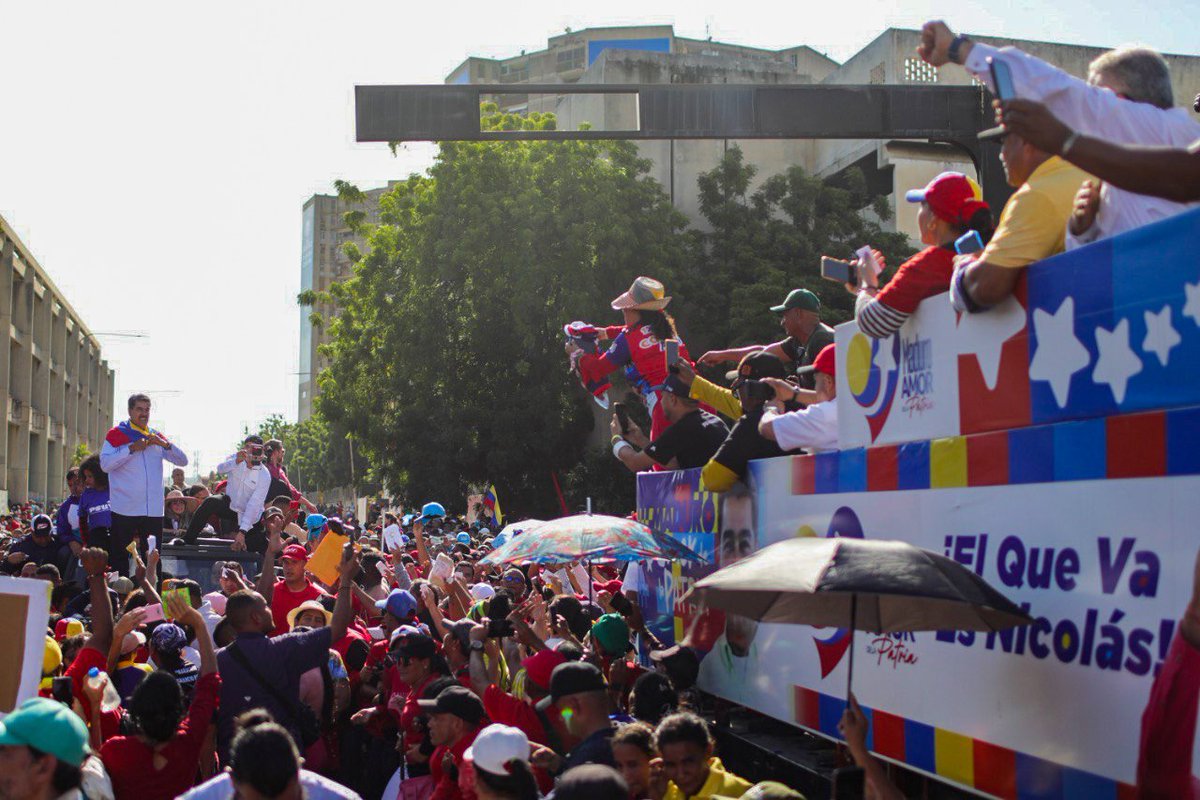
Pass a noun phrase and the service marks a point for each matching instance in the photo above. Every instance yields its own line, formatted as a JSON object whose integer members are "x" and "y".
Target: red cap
{"x": 539, "y": 666}
{"x": 951, "y": 196}
{"x": 826, "y": 361}
{"x": 295, "y": 551}
{"x": 612, "y": 587}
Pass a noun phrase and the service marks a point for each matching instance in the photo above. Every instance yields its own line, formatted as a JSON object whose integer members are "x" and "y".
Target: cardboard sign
{"x": 323, "y": 562}
{"x": 24, "y": 614}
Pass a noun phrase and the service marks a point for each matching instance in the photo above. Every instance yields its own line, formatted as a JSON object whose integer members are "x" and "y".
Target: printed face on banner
{"x": 736, "y": 540}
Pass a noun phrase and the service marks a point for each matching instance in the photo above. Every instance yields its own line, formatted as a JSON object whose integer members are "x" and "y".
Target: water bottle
{"x": 110, "y": 699}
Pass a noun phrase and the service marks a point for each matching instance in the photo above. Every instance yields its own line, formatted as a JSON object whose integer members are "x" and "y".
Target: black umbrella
{"x": 878, "y": 586}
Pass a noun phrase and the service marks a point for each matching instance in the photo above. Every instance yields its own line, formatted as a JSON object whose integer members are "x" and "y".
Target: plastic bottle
{"x": 111, "y": 699}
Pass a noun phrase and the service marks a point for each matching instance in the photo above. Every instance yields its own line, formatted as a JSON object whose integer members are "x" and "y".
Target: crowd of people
{"x": 422, "y": 670}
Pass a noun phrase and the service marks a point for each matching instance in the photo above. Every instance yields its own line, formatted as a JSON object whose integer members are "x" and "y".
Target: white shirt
{"x": 813, "y": 428}
{"x": 391, "y": 538}
{"x": 1097, "y": 112}
{"x": 634, "y": 578}
{"x": 135, "y": 479}
{"x": 315, "y": 787}
{"x": 246, "y": 489}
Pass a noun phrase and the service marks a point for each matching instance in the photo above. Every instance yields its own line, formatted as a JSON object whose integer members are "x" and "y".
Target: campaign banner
{"x": 900, "y": 388}
{"x": 24, "y": 613}
{"x": 673, "y": 503}
{"x": 1103, "y": 566}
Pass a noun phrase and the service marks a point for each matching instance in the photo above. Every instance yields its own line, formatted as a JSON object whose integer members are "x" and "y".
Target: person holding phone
{"x": 951, "y": 205}
{"x": 245, "y": 497}
{"x": 690, "y": 437}
{"x": 1033, "y": 224}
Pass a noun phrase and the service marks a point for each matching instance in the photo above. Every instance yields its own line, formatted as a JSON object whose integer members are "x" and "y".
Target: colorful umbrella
{"x": 589, "y": 537}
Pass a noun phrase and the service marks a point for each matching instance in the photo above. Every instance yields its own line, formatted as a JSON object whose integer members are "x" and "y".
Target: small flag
{"x": 491, "y": 504}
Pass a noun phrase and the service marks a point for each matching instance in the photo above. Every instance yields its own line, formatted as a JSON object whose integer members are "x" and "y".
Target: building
{"x": 323, "y": 262}
{"x": 653, "y": 54}
{"x": 57, "y": 389}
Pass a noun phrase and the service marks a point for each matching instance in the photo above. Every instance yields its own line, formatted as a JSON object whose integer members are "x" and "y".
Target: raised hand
{"x": 936, "y": 38}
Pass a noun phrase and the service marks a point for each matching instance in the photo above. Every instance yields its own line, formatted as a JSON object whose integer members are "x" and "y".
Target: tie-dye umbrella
{"x": 589, "y": 537}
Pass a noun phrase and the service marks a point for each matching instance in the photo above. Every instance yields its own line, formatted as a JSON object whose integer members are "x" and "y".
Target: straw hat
{"x": 190, "y": 503}
{"x": 645, "y": 294}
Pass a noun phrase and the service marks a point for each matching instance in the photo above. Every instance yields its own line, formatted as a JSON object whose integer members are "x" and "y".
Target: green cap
{"x": 611, "y": 632}
{"x": 767, "y": 790}
{"x": 799, "y": 298}
{"x": 47, "y": 726}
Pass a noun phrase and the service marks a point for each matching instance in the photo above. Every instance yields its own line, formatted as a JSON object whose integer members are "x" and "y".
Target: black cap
{"x": 457, "y": 700}
{"x": 42, "y": 525}
{"x": 589, "y": 782}
{"x": 573, "y": 677}
{"x": 416, "y": 646}
{"x": 681, "y": 663}
{"x": 757, "y": 365}
{"x": 677, "y": 387}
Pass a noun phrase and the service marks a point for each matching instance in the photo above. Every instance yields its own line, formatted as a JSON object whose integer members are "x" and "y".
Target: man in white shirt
{"x": 813, "y": 428}
{"x": 245, "y": 494}
{"x": 1127, "y": 99}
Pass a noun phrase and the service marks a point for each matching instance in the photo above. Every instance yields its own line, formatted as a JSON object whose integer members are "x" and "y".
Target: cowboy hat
{"x": 190, "y": 503}
{"x": 645, "y": 294}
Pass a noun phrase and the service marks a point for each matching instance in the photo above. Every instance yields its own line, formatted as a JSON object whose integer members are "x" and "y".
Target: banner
{"x": 474, "y": 501}
{"x": 24, "y": 614}
{"x": 1104, "y": 567}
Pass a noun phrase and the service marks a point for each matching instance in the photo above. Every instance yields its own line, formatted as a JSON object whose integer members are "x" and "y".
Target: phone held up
{"x": 834, "y": 269}
{"x": 671, "y": 353}
{"x": 1002, "y": 78}
{"x": 622, "y": 416}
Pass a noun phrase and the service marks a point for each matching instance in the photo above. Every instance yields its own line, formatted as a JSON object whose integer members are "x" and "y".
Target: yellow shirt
{"x": 719, "y": 782}
{"x": 1033, "y": 224}
{"x": 717, "y": 397}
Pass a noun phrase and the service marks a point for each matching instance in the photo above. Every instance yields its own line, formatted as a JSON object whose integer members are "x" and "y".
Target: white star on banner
{"x": 983, "y": 335}
{"x": 1059, "y": 354}
{"x": 1161, "y": 336}
{"x": 1117, "y": 362}
{"x": 1192, "y": 307}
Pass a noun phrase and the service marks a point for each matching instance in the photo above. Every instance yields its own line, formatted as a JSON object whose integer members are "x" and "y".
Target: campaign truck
{"x": 1051, "y": 445}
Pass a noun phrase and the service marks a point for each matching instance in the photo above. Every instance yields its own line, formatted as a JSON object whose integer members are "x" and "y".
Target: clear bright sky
{"x": 155, "y": 156}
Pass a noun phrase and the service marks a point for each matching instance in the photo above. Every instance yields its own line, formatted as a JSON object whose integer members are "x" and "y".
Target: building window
{"x": 514, "y": 73}
{"x": 917, "y": 71}
{"x": 570, "y": 59}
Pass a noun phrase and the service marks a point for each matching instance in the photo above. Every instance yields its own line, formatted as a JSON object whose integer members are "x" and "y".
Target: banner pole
{"x": 853, "y": 623}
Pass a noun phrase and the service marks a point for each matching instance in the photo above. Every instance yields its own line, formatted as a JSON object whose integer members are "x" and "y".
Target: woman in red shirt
{"x": 161, "y": 760}
{"x": 950, "y": 206}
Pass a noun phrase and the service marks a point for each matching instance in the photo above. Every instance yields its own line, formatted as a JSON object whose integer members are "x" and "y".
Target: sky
{"x": 154, "y": 157}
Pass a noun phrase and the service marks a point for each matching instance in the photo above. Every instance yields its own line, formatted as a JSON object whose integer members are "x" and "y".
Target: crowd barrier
{"x": 1053, "y": 446}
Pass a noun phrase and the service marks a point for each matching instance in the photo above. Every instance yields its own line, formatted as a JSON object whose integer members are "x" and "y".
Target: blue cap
{"x": 314, "y": 521}
{"x": 403, "y": 539}
{"x": 399, "y": 603}
{"x": 433, "y": 510}
{"x": 464, "y": 537}
{"x": 406, "y": 519}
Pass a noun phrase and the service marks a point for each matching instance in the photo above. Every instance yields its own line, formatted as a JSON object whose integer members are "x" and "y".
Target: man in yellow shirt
{"x": 1032, "y": 226}
{"x": 685, "y": 749}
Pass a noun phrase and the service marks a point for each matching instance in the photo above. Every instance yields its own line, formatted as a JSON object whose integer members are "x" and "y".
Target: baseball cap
{"x": 297, "y": 552}
{"x": 416, "y": 645}
{"x": 677, "y": 387}
{"x": 497, "y": 745}
{"x": 612, "y": 587}
{"x": 573, "y": 677}
{"x": 168, "y": 638}
{"x": 314, "y": 522}
{"x": 42, "y": 525}
{"x": 952, "y": 196}
{"x": 540, "y": 666}
{"x": 463, "y": 537}
{"x": 457, "y": 700}
{"x": 757, "y": 365}
{"x": 432, "y": 510}
{"x": 121, "y": 585}
{"x": 399, "y": 603}
{"x": 132, "y": 641}
{"x": 67, "y": 627}
{"x": 482, "y": 591}
{"x": 52, "y": 656}
{"x": 766, "y": 790}
{"x": 826, "y": 361}
{"x": 799, "y": 298}
{"x": 681, "y": 663}
{"x": 611, "y": 633}
{"x": 48, "y": 726}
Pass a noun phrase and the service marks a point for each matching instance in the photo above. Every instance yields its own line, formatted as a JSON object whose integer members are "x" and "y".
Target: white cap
{"x": 484, "y": 531}
{"x": 482, "y": 591}
{"x": 495, "y": 746}
{"x": 132, "y": 641}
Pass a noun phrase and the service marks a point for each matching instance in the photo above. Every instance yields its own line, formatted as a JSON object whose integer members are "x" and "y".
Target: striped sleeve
{"x": 875, "y": 318}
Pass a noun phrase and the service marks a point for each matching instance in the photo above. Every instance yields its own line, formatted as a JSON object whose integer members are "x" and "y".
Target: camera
{"x": 757, "y": 390}
{"x": 255, "y": 453}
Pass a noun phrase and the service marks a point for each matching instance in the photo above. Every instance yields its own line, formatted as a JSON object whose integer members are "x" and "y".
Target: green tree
{"x": 447, "y": 361}
{"x": 81, "y": 453}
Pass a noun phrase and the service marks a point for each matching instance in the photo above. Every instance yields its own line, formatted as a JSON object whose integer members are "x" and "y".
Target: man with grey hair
{"x": 1097, "y": 107}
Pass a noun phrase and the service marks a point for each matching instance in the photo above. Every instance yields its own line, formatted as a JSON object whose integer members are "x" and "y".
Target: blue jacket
{"x": 135, "y": 480}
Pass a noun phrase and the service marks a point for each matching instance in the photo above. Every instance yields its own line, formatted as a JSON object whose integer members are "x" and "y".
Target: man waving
{"x": 132, "y": 455}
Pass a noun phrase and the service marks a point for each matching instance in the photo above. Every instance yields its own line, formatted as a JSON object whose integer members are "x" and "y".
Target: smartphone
{"x": 1002, "y": 78}
{"x": 671, "y": 350}
{"x": 834, "y": 269}
{"x": 969, "y": 242}
{"x": 61, "y": 689}
{"x": 849, "y": 783}
{"x": 182, "y": 594}
{"x": 154, "y": 613}
{"x": 622, "y": 416}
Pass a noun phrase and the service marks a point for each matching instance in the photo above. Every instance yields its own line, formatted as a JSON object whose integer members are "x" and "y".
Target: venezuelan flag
{"x": 491, "y": 503}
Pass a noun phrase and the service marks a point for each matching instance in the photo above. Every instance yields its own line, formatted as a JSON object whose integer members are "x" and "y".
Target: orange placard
{"x": 324, "y": 561}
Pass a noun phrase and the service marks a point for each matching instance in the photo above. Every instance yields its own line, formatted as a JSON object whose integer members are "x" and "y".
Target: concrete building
{"x": 322, "y": 263}
{"x": 57, "y": 388}
{"x": 653, "y": 54}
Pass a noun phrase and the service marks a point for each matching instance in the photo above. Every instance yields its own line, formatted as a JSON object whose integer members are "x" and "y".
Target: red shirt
{"x": 130, "y": 761}
{"x": 924, "y": 275}
{"x": 504, "y": 709}
{"x": 283, "y": 600}
{"x": 88, "y": 657}
{"x": 1164, "y": 767}
{"x": 445, "y": 787}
